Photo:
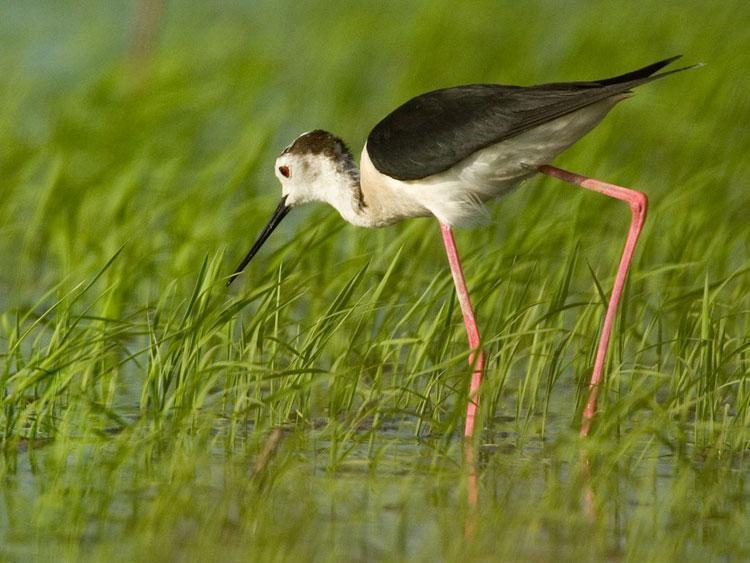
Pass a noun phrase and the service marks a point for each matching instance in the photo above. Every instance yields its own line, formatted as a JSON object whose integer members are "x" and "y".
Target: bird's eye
{"x": 284, "y": 171}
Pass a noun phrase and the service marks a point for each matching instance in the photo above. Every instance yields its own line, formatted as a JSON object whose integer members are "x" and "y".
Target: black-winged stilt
{"x": 447, "y": 152}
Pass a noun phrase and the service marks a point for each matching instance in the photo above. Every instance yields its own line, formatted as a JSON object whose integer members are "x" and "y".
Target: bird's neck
{"x": 346, "y": 196}
{"x": 367, "y": 203}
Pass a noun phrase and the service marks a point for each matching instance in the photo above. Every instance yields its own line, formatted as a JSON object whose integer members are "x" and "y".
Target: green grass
{"x": 141, "y": 398}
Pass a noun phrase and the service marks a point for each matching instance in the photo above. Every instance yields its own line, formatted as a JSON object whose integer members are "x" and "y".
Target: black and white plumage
{"x": 447, "y": 152}
{"x": 432, "y": 132}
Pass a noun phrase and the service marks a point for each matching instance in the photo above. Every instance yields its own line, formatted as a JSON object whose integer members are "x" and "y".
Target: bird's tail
{"x": 646, "y": 74}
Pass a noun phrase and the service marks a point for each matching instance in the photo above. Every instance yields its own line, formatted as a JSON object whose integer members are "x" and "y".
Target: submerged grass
{"x": 142, "y": 401}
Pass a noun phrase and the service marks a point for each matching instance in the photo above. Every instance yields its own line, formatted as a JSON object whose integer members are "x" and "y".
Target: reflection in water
{"x": 587, "y": 498}
{"x": 472, "y": 490}
{"x": 587, "y": 495}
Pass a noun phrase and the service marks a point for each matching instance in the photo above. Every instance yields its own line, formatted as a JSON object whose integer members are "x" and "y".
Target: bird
{"x": 447, "y": 153}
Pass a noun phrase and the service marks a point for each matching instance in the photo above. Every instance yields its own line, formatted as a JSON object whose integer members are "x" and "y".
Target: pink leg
{"x": 638, "y": 204}
{"x": 471, "y": 327}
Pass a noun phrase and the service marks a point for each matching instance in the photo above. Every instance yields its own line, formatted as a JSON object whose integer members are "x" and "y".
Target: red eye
{"x": 284, "y": 171}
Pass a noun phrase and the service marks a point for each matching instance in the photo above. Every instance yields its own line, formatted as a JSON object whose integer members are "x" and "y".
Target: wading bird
{"x": 445, "y": 154}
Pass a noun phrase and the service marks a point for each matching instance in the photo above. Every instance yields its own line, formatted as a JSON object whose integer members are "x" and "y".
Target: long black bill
{"x": 278, "y": 215}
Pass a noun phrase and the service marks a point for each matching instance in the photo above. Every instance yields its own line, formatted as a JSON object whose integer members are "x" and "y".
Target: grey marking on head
{"x": 319, "y": 142}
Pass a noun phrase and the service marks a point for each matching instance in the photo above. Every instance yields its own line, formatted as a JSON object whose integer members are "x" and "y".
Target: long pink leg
{"x": 471, "y": 327}
{"x": 638, "y": 205}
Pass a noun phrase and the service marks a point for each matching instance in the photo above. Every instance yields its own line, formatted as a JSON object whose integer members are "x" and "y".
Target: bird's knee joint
{"x": 639, "y": 204}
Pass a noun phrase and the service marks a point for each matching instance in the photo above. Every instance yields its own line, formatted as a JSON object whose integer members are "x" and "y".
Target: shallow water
{"x": 379, "y": 495}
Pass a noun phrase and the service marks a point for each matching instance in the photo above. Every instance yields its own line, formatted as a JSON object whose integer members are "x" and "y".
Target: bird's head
{"x": 311, "y": 168}
{"x": 317, "y": 166}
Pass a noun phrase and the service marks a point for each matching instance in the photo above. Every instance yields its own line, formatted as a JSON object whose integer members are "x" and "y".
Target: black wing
{"x": 432, "y": 132}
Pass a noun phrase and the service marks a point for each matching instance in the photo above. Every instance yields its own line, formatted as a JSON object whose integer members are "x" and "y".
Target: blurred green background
{"x": 192, "y": 107}
{"x": 136, "y": 148}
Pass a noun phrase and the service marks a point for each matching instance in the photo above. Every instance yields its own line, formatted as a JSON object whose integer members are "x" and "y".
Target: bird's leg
{"x": 476, "y": 359}
{"x": 638, "y": 205}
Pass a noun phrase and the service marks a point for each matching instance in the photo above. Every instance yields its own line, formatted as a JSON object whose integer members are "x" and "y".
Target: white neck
{"x": 364, "y": 198}
{"x": 344, "y": 194}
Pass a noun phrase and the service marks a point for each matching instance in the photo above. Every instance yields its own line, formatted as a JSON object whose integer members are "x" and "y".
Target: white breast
{"x": 457, "y": 195}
